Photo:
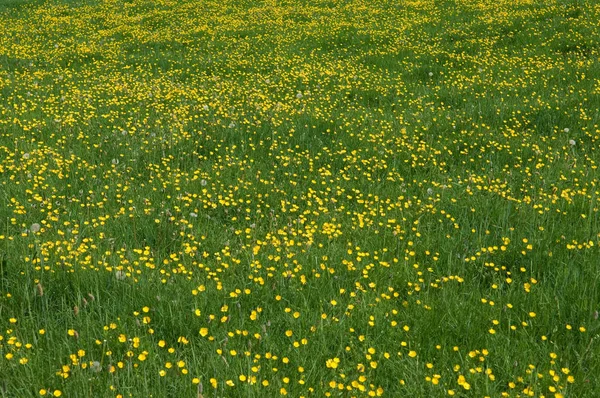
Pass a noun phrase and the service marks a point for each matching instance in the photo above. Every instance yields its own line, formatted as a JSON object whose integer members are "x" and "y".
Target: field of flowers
{"x": 338, "y": 198}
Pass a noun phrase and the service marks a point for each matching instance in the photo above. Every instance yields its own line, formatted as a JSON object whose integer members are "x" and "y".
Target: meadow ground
{"x": 340, "y": 198}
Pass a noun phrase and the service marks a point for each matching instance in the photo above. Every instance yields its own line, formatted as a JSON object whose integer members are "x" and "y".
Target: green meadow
{"x": 327, "y": 198}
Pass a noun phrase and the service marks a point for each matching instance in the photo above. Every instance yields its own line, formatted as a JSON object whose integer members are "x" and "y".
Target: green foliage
{"x": 327, "y": 198}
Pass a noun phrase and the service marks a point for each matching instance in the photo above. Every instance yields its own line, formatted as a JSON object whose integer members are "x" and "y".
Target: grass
{"x": 325, "y": 198}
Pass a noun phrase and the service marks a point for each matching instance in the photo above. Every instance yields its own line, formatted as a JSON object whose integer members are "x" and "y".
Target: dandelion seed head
{"x": 96, "y": 367}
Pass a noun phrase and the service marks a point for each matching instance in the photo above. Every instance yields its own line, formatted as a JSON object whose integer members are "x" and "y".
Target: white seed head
{"x": 95, "y": 367}
{"x": 120, "y": 275}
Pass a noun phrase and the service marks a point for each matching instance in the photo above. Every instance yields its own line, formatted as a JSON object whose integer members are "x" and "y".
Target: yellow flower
{"x": 332, "y": 363}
